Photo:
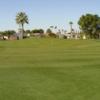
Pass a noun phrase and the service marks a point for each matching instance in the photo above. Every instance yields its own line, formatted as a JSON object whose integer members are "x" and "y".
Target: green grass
{"x": 50, "y": 69}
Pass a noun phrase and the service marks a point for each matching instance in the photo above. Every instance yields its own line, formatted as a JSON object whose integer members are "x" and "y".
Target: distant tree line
{"x": 34, "y": 31}
{"x": 89, "y": 25}
{"x": 38, "y": 31}
{"x": 7, "y": 33}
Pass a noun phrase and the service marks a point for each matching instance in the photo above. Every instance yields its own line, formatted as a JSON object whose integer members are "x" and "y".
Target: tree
{"x": 41, "y": 31}
{"x": 38, "y": 31}
{"x": 71, "y": 23}
{"x": 54, "y": 29}
{"x": 49, "y": 31}
{"x": 51, "y": 26}
{"x": 28, "y": 31}
{"x": 22, "y": 19}
{"x": 8, "y": 32}
{"x": 90, "y": 25}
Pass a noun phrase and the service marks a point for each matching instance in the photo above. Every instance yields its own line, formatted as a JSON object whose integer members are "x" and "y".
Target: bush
{"x": 52, "y": 35}
{"x": 38, "y": 31}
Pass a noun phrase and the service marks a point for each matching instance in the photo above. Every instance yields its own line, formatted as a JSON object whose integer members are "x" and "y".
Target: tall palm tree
{"x": 71, "y": 23}
{"x": 71, "y": 29}
{"x": 21, "y": 19}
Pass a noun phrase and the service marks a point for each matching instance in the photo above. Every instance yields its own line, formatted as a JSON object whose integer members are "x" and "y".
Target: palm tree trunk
{"x": 71, "y": 30}
{"x": 22, "y": 30}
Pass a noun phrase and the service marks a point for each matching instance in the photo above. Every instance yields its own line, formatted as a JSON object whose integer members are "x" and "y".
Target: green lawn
{"x": 50, "y": 69}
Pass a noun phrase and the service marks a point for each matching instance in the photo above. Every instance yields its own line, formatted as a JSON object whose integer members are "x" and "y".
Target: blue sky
{"x": 44, "y": 13}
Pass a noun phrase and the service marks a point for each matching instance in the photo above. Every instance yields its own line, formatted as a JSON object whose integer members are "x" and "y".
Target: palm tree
{"x": 54, "y": 28}
{"x": 71, "y": 29}
{"x": 22, "y": 19}
{"x": 71, "y": 23}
